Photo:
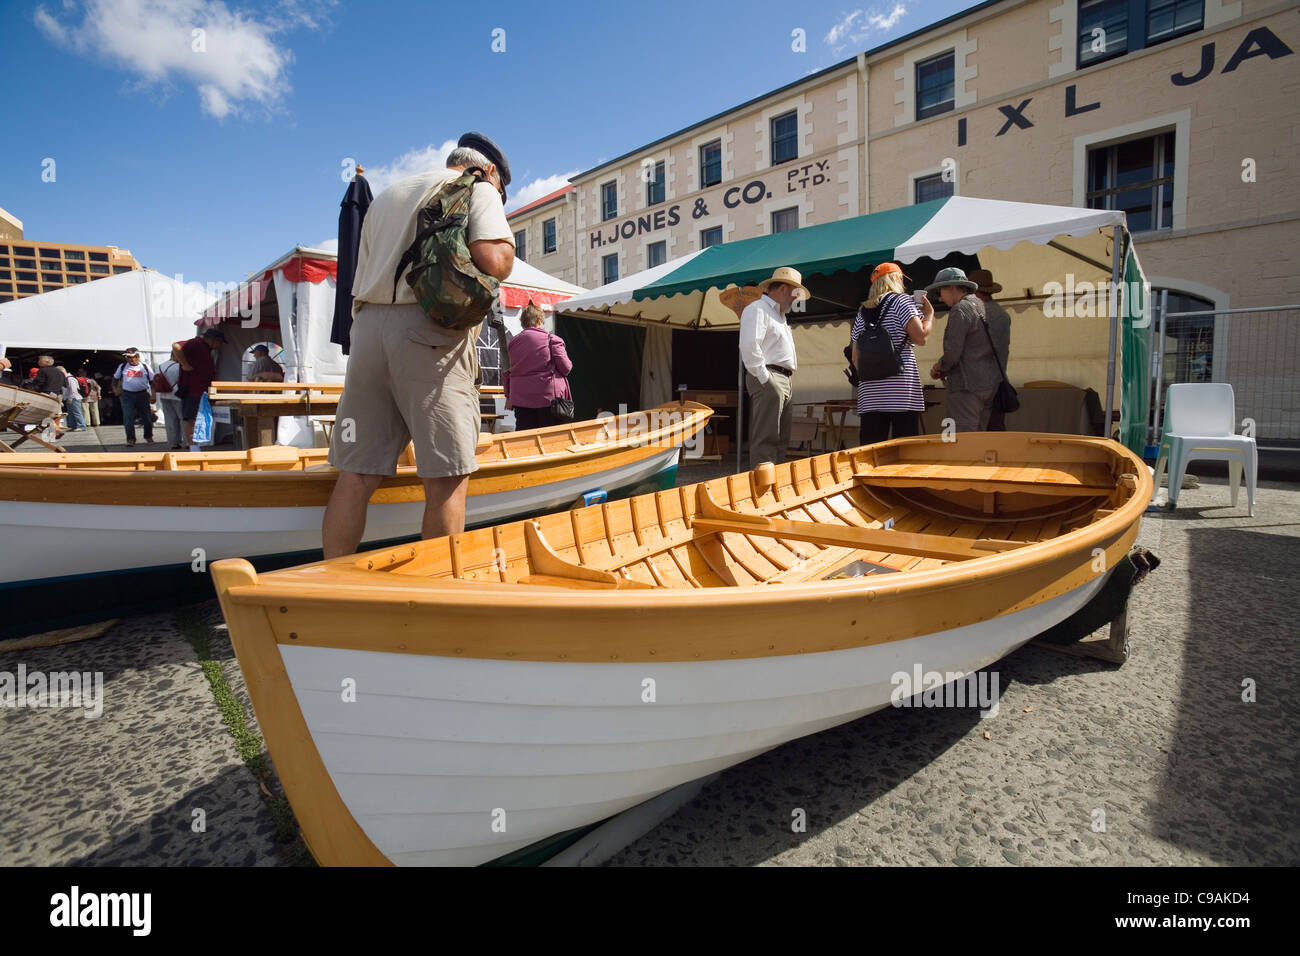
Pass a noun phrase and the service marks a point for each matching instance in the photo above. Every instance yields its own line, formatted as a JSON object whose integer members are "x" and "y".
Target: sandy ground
{"x": 1183, "y": 770}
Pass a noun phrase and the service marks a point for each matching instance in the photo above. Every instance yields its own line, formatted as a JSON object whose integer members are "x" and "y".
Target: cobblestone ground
{"x": 1184, "y": 771}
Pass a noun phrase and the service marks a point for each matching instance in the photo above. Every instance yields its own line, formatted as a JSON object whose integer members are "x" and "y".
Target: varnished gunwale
{"x": 595, "y": 622}
{"x": 210, "y": 479}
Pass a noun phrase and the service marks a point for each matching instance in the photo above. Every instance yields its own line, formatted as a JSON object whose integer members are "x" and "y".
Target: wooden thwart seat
{"x": 1074, "y": 479}
{"x": 710, "y": 517}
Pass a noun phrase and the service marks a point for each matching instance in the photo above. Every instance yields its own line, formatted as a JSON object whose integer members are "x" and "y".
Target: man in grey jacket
{"x": 969, "y": 366}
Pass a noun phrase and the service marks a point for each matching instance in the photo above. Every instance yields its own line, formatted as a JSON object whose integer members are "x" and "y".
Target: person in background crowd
{"x": 891, "y": 407}
{"x": 767, "y": 351}
{"x": 170, "y": 403}
{"x": 265, "y": 368}
{"x": 107, "y": 400}
{"x": 999, "y": 328}
{"x": 72, "y": 401}
{"x": 197, "y": 372}
{"x": 969, "y": 367}
{"x": 47, "y": 379}
{"x": 134, "y": 377}
{"x": 409, "y": 379}
{"x": 90, "y": 395}
{"x": 6, "y": 372}
{"x": 538, "y": 372}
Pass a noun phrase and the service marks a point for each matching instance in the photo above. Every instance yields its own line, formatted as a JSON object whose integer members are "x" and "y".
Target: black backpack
{"x": 877, "y": 357}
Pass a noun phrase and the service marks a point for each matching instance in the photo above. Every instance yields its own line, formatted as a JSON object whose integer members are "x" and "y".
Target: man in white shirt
{"x": 408, "y": 378}
{"x": 767, "y": 350}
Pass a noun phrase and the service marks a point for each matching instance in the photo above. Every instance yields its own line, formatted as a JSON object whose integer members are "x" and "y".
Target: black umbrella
{"x": 351, "y": 215}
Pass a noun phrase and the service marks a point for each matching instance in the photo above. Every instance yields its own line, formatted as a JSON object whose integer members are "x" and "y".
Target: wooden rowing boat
{"x": 20, "y": 408}
{"x": 146, "y": 522}
{"x": 463, "y": 698}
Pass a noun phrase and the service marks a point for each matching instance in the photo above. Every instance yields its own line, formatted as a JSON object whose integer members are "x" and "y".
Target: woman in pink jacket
{"x": 538, "y": 372}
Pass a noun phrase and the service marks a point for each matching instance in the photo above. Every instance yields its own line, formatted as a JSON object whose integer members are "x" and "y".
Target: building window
{"x": 96, "y": 267}
{"x": 785, "y": 220}
{"x": 75, "y": 255}
{"x": 521, "y": 244}
{"x": 118, "y": 270}
{"x": 24, "y": 263}
{"x": 75, "y": 266}
{"x": 24, "y": 250}
{"x": 27, "y": 288}
{"x": 785, "y": 137}
{"x": 1111, "y": 28}
{"x": 548, "y": 236}
{"x": 5, "y": 274}
{"x": 711, "y": 163}
{"x": 609, "y": 201}
{"x": 935, "y": 85}
{"x": 656, "y": 254}
{"x": 99, "y": 257}
{"x": 710, "y": 237}
{"x": 654, "y": 187}
{"x": 49, "y": 253}
{"x": 931, "y": 187}
{"x": 27, "y": 277}
{"x": 52, "y": 277}
{"x": 6, "y": 286}
{"x": 4, "y": 250}
{"x": 1189, "y": 340}
{"x": 609, "y": 269}
{"x": 1136, "y": 176}
{"x": 73, "y": 280}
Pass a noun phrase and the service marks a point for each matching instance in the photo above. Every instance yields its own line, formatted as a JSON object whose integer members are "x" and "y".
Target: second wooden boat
{"x": 127, "y": 532}
{"x": 461, "y": 699}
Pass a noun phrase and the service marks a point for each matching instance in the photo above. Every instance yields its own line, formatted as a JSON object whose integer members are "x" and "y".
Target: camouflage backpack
{"x": 447, "y": 285}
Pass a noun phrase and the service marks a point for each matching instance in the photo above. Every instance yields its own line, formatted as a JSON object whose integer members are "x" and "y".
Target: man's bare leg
{"x": 444, "y": 505}
{"x": 345, "y": 515}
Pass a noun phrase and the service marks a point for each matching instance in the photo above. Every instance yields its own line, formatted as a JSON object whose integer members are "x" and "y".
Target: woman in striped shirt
{"x": 893, "y": 404}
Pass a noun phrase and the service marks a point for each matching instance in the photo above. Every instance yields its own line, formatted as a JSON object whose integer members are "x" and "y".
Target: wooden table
{"x": 259, "y": 404}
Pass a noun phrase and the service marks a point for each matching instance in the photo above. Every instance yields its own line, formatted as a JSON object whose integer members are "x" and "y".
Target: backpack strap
{"x": 413, "y": 250}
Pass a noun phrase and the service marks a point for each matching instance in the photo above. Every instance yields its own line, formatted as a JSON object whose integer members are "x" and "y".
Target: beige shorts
{"x": 407, "y": 380}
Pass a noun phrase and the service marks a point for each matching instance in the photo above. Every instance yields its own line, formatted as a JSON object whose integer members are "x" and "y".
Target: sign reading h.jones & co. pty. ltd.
{"x": 793, "y": 180}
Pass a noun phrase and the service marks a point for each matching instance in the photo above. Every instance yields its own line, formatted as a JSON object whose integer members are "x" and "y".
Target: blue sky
{"x": 209, "y": 155}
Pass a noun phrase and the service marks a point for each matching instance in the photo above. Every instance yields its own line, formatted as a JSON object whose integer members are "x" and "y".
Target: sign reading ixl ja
{"x": 795, "y": 178}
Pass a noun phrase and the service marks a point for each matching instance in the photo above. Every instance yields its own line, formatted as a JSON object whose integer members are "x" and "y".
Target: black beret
{"x": 489, "y": 149}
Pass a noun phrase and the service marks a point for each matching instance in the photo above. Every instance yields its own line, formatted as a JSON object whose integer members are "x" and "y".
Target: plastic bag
{"x": 203, "y": 422}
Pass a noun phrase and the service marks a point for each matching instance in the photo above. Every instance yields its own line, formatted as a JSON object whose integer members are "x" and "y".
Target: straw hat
{"x": 789, "y": 277}
{"x": 951, "y": 276}
{"x": 737, "y": 299}
{"x": 984, "y": 279}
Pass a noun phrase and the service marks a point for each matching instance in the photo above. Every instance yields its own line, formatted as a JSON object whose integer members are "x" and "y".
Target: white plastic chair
{"x": 1200, "y": 424}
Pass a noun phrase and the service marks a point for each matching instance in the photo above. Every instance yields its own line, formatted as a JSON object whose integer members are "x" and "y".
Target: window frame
{"x": 704, "y": 232}
{"x": 608, "y": 190}
{"x": 659, "y": 182}
{"x": 943, "y": 106}
{"x": 1164, "y": 143}
{"x": 781, "y": 212}
{"x": 705, "y": 182}
{"x": 1137, "y": 29}
{"x": 926, "y": 178}
{"x": 550, "y": 235}
{"x": 662, "y": 245}
{"x": 521, "y": 244}
{"x": 773, "y": 139}
{"x": 605, "y": 278}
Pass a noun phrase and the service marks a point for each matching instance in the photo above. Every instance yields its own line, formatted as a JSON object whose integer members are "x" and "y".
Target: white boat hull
{"x": 453, "y": 761}
{"x": 68, "y": 540}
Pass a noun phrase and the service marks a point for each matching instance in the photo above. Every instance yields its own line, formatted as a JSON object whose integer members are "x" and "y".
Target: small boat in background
{"x": 20, "y": 407}
{"x": 531, "y": 679}
{"x": 114, "y": 533}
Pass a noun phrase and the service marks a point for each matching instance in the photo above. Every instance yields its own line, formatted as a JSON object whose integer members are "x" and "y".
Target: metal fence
{"x": 1256, "y": 351}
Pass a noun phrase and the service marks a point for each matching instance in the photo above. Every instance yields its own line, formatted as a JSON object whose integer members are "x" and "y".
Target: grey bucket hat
{"x": 951, "y": 276}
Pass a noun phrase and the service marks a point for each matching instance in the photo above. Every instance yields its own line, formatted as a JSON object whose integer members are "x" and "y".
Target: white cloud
{"x": 329, "y": 245}
{"x": 235, "y": 60}
{"x": 537, "y": 189}
{"x": 408, "y": 164}
{"x": 855, "y": 27}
